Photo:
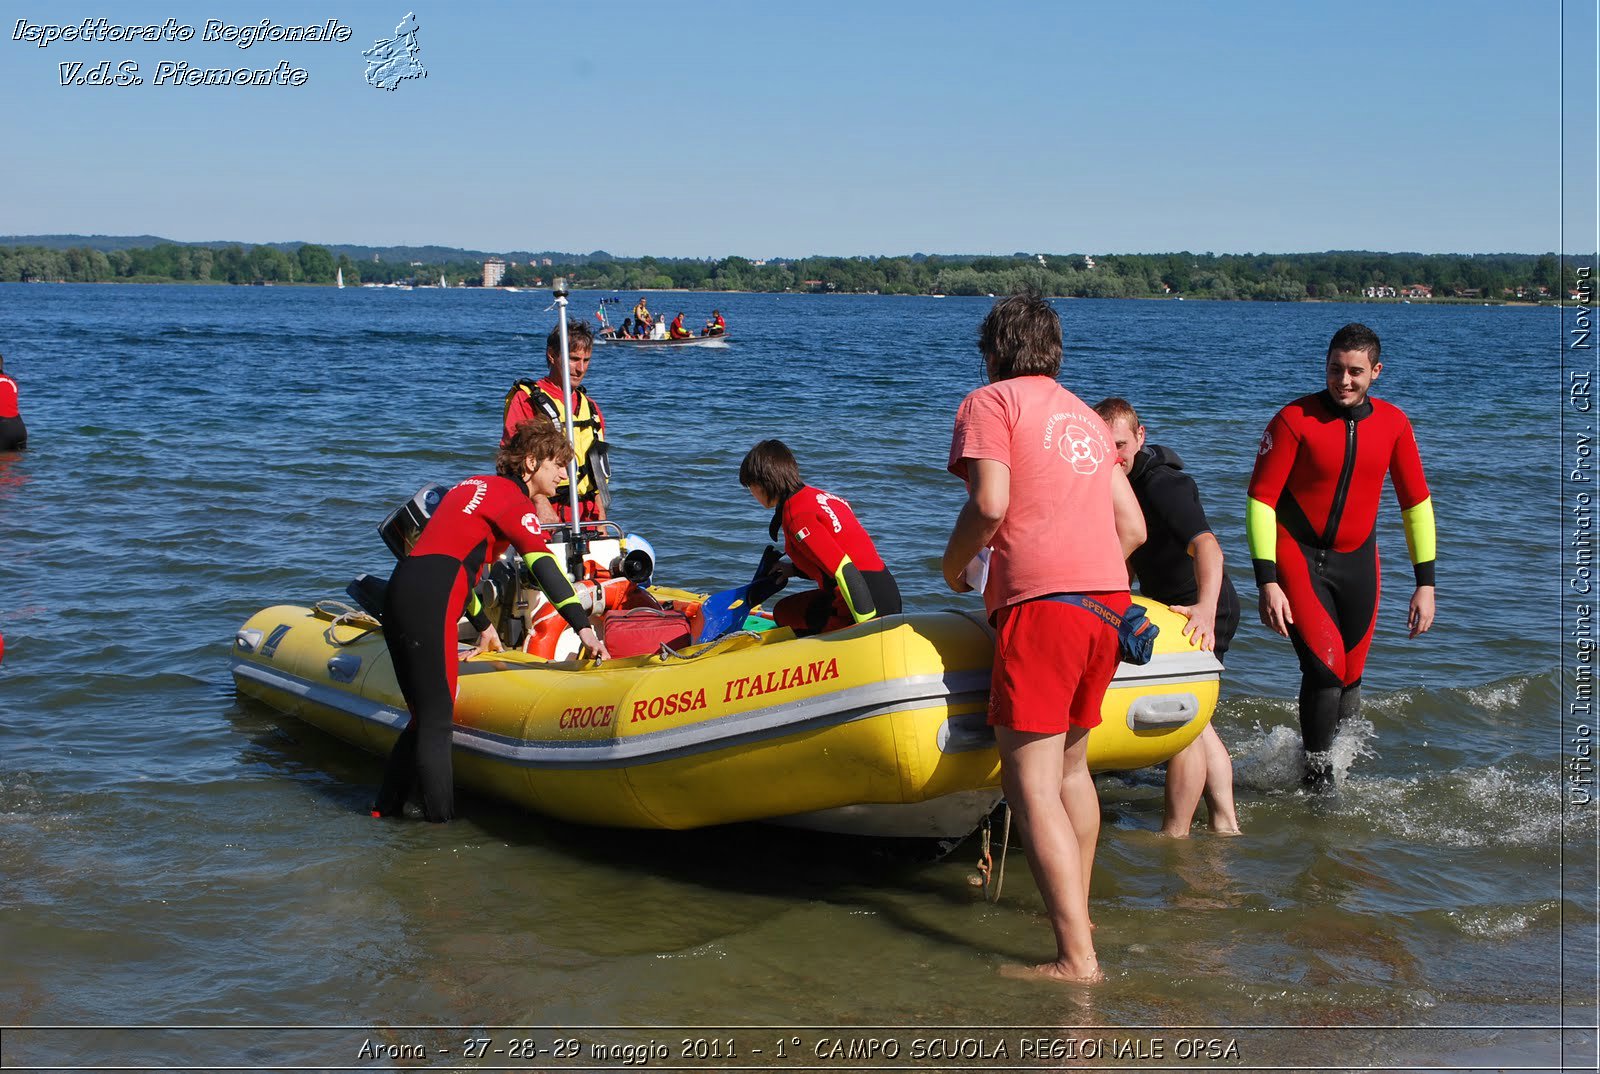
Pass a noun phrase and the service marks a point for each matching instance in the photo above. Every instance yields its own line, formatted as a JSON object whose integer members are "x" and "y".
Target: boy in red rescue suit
{"x": 823, "y": 541}
{"x": 13, "y": 433}
{"x": 1311, "y": 519}
{"x": 432, "y": 587}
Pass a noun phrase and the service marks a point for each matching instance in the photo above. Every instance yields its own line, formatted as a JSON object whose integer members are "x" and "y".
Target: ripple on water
{"x": 169, "y": 854}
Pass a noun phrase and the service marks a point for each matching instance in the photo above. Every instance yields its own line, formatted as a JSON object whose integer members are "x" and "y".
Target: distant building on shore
{"x": 493, "y": 270}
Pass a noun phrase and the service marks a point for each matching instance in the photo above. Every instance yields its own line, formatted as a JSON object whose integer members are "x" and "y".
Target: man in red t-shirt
{"x": 1046, "y": 496}
{"x": 824, "y": 542}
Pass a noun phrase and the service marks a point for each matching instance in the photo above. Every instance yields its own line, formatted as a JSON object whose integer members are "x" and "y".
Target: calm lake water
{"x": 172, "y": 856}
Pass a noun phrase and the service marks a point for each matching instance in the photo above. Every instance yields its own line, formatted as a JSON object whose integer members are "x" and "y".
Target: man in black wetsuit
{"x": 1181, "y": 565}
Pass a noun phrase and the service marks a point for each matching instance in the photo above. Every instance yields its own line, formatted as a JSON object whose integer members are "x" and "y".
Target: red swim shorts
{"x": 1052, "y": 664}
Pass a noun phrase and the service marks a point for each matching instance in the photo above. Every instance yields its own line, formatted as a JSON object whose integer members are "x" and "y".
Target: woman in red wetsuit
{"x": 824, "y": 542}
{"x": 1311, "y": 521}
{"x": 13, "y": 433}
{"x": 431, "y": 588}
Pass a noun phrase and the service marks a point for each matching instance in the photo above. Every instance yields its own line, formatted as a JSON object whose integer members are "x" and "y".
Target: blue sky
{"x": 707, "y": 129}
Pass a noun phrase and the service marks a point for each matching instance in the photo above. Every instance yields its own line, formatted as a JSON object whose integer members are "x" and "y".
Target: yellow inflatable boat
{"x": 878, "y": 729}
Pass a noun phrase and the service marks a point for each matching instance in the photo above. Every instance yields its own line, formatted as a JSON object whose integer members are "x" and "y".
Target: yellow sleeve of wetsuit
{"x": 857, "y": 597}
{"x": 474, "y": 610}
{"x": 1261, "y": 529}
{"x": 1421, "y": 539}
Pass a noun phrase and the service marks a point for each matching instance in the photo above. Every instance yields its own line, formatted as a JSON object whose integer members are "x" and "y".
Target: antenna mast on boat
{"x": 577, "y": 547}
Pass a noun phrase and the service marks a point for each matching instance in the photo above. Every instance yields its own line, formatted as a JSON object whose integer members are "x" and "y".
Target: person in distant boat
{"x": 658, "y": 330}
{"x": 13, "y": 433}
{"x": 678, "y": 331}
{"x": 1311, "y": 518}
{"x": 823, "y": 541}
{"x": 1046, "y": 496}
{"x": 432, "y": 587}
{"x": 1181, "y": 565}
{"x": 716, "y": 326}
{"x": 528, "y": 399}
{"x": 641, "y": 314}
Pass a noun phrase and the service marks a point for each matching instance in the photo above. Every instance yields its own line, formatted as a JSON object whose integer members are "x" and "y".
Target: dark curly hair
{"x": 536, "y": 438}
{"x": 1021, "y": 337}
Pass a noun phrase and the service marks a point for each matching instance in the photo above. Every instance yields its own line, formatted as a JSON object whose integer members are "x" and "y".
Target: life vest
{"x": 586, "y": 429}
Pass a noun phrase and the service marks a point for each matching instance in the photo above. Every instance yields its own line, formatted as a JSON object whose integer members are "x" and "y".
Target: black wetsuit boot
{"x": 1323, "y": 710}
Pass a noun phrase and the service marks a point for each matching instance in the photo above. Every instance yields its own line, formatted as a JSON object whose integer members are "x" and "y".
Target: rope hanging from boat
{"x": 986, "y": 865}
{"x": 342, "y": 614}
{"x": 1005, "y": 848}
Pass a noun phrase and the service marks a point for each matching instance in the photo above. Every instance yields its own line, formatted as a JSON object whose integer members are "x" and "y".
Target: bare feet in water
{"x": 1217, "y": 828}
{"x": 1070, "y": 971}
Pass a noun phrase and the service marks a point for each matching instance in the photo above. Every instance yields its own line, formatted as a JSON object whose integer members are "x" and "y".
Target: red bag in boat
{"x": 643, "y": 631}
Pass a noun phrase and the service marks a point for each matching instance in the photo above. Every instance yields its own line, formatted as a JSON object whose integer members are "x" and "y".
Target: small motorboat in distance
{"x": 687, "y": 341}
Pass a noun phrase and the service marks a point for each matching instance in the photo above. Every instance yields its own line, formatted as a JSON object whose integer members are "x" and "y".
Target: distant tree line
{"x": 170, "y": 262}
{"x": 1274, "y": 277}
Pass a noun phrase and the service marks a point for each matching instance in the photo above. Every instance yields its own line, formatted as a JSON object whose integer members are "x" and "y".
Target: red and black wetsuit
{"x": 428, "y": 593}
{"x": 1311, "y": 522}
{"x": 13, "y": 433}
{"x": 826, "y": 544}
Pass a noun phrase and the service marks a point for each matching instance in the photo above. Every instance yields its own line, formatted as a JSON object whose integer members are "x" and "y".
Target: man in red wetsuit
{"x": 13, "y": 433}
{"x": 432, "y": 587}
{"x": 1311, "y": 521}
{"x": 824, "y": 542}
{"x": 677, "y": 330}
{"x": 542, "y": 398}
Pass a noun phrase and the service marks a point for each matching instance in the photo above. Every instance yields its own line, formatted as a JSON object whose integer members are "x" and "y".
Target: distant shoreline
{"x": 1335, "y": 275}
{"x": 1353, "y": 300}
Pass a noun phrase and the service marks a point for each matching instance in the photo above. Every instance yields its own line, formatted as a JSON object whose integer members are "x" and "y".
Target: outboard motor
{"x": 504, "y": 592}
{"x": 404, "y": 524}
